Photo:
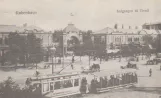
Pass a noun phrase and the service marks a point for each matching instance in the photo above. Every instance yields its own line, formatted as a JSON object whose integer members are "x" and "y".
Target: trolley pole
{"x": 63, "y": 50}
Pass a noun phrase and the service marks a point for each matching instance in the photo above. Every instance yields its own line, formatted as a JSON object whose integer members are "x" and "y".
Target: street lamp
{"x": 52, "y": 53}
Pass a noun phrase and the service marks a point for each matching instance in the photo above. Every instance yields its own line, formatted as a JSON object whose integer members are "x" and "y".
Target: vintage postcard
{"x": 80, "y": 48}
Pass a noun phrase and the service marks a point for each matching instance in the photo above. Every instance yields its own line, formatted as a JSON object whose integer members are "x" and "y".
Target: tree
{"x": 151, "y": 44}
{"x": 158, "y": 43}
{"x": 24, "y": 49}
{"x": 58, "y": 38}
{"x": 147, "y": 39}
{"x": 9, "y": 89}
{"x": 34, "y": 49}
{"x": 87, "y": 40}
{"x": 15, "y": 42}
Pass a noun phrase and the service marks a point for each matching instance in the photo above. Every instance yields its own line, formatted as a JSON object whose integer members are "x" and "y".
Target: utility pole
{"x": 89, "y": 60}
{"x": 89, "y": 57}
{"x": 52, "y": 65}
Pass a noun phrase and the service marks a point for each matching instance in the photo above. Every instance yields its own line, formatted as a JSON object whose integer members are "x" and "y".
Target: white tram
{"x": 64, "y": 85}
{"x": 58, "y": 85}
{"x": 105, "y": 81}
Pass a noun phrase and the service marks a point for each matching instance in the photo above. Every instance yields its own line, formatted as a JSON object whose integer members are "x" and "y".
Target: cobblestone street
{"x": 112, "y": 65}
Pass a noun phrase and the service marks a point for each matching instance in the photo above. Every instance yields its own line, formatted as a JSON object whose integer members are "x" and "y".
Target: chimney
{"x": 129, "y": 27}
{"x": 115, "y": 26}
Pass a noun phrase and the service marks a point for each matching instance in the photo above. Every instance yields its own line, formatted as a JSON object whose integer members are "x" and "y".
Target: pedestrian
{"x": 73, "y": 58}
{"x": 28, "y": 81}
{"x": 150, "y": 72}
{"x": 37, "y": 73}
{"x": 137, "y": 59}
{"x": 120, "y": 58}
{"x": 72, "y": 66}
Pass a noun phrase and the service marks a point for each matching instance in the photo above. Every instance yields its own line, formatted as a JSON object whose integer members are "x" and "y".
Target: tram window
{"x": 57, "y": 85}
{"x": 45, "y": 87}
{"x": 51, "y": 86}
{"x": 67, "y": 83}
{"x": 76, "y": 82}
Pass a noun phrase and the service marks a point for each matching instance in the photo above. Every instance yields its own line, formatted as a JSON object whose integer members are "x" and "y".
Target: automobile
{"x": 157, "y": 59}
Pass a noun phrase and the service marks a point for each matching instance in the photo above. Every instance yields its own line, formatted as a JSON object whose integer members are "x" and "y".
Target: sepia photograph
{"x": 80, "y": 49}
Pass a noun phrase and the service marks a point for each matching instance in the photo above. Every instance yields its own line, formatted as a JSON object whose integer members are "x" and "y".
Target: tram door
{"x": 45, "y": 87}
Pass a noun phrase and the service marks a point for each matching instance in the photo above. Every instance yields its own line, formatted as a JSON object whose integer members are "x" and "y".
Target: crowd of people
{"x": 115, "y": 80}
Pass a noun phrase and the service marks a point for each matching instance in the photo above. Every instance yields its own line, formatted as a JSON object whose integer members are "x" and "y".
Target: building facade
{"x": 120, "y": 36}
{"x": 154, "y": 26}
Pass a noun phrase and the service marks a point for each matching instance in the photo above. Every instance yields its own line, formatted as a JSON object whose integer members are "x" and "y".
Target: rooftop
{"x": 14, "y": 28}
{"x": 71, "y": 28}
{"x": 108, "y": 30}
{"x": 8, "y": 28}
{"x": 152, "y": 23}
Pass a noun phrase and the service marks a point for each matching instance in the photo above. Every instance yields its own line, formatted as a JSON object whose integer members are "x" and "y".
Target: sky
{"x": 88, "y": 14}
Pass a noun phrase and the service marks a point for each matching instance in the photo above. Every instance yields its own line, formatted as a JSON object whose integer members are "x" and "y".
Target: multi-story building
{"x": 120, "y": 36}
{"x": 155, "y": 26}
{"x": 5, "y": 30}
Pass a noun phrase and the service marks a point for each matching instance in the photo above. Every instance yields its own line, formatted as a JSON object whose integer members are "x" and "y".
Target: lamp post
{"x": 142, "y": 52}
{"x": 64, "y": 40}
{"x": 52, "y": 53}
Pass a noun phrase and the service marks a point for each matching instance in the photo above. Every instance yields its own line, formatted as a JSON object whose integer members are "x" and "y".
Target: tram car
{"x": 75, "y": 84}
{"x": 58, "y": 86}
{"x": 105, "y": 81}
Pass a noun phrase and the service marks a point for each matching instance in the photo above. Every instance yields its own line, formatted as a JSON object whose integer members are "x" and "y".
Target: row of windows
{"x": 117, "y": 39}
{"x": 60, "y": 85}
{"x": 129, "y": 39}
{"x": 135, "y": 39}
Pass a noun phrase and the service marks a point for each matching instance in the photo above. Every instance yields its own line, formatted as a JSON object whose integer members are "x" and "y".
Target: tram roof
{"x": 55, "y": 76}
{"x": 107, "y": 73}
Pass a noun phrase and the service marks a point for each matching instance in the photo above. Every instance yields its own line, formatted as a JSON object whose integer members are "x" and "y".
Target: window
{"x": 67, "y": 84}
{"x": 57, "y": 85}
{"x": 130, "y": 39}
{"x": 135, "y": 39}
{"x": 45, "y": 87}
{"x": 1, "y": 40}
{"x": 51, "y": 86}
{"x": 76, "y": 82}
{"x": 63, "y": 84}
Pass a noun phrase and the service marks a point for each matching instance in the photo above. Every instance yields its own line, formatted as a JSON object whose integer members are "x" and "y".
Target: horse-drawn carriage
{"x": 92, "y": 68}
{"x": 130, "y": 65}
{"x": 95, "y": 67}
{"x": 154, "y": 60}
{"x": 151, "y": 62}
